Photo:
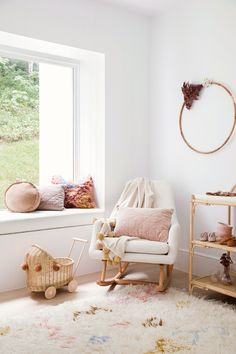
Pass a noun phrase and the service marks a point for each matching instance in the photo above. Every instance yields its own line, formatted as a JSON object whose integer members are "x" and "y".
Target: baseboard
{"x": 202, "y": 264}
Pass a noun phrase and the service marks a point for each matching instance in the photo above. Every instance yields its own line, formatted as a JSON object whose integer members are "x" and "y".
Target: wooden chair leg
{"x": 165, "y": 280}
{"x": 169, "y": 269}
{"x": 164, "y": 277}
{"x": 103, "y": 275}
{"x": 104, "y": 282}
{"x": 122, "y": 270}
{"x": 160, "y": 286}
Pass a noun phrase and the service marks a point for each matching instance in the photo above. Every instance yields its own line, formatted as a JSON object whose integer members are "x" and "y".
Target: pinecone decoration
{"x": 191, "y": 92}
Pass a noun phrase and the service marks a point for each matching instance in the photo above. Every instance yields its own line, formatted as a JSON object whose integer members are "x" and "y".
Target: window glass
{"x": 36, "y": 122}
{"x": 19, "y": 122}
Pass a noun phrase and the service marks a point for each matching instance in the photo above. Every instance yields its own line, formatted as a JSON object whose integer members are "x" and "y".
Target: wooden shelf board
{"x": 213, "y": 200}
{"x": 207, "y": 283}
{"x": 209, "y": 202}
{"x": 216, "y": 245}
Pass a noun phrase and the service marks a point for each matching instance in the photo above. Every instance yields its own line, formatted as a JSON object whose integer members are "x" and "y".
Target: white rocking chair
{"x": 145, "y": 251}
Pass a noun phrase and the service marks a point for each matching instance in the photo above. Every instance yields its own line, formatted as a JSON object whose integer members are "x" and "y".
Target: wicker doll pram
{"x": 46, "y": 273}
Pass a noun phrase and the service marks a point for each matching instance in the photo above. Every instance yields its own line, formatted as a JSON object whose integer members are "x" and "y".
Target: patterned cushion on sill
{"x": 77, "y": 195}
{"x": 51, "y": 197}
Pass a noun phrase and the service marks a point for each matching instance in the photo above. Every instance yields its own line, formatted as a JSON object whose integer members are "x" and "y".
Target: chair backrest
{"x": 164, "y": 197}
{"x": 163, "y": 193}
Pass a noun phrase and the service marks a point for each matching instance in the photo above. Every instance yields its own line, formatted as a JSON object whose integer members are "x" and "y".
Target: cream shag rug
{"x": 129, "y": 320}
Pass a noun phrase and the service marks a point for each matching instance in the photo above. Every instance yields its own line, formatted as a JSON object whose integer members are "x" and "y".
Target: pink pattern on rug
{"x": 121, "y": 324}
{"x": 143, "y": 294}
{"x": 54, "y": 333}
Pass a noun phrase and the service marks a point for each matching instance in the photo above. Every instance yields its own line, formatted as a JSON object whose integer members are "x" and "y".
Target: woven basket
{"x": 45, "y": 271}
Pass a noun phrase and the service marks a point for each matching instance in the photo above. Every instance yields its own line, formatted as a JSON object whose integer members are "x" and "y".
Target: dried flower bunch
{"x": 191, "y": 92}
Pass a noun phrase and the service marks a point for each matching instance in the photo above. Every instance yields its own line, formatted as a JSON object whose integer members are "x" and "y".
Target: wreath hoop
{"x": 230, "y": 133}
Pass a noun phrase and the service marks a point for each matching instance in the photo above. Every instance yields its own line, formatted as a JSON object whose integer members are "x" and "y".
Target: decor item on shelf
{"x": 223, "y": 232}
{"x": 225, "y": 240}
{"x": 212, "y": 237}
{"x": 46, "y": 273}
{"x": 216, "y": 276}
{"x": 22, "y": 197}
{"x": 222, "y": 194}
{"x": 208, "y": 236}
{"x": 231, "y": 242}
{"x": 204, "y": 236}
{"x": 226, "y": 260}
{"x": 191, "y": 92}
{"x": 51, "y": 197}
{"x": 77, "y": 194}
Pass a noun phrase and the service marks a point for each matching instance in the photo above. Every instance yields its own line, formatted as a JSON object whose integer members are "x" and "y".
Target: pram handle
{"x": 76, "y": 239}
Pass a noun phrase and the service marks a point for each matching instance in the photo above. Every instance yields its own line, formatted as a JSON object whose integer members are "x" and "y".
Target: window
{"x": 36, "y": 122}
{"x": 62, "y": 113}
{"x": 19, "y": 122}
{"x": 58, "y": 129}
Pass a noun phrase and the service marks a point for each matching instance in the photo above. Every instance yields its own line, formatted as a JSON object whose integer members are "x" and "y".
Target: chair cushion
{"x": 147, "y": 247}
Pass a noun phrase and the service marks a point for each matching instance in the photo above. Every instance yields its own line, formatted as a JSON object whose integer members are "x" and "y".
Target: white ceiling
{"x": 147, "y": 7}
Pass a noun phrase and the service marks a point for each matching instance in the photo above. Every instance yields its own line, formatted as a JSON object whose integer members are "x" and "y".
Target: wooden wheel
{"x": 72, "y": 286}
{"x": 50, "y": 292}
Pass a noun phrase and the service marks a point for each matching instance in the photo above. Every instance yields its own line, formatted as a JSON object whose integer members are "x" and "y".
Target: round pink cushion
{"x": 22, "y": 197}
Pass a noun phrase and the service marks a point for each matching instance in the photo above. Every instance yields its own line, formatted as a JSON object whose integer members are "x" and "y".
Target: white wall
{"x": 191, "y": 41}
{"x": 123, "y": 37}
{"x": 14, "y": 277}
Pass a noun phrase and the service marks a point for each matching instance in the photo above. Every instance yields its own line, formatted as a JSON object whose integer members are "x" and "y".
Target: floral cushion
{"x": 77, "y": 195}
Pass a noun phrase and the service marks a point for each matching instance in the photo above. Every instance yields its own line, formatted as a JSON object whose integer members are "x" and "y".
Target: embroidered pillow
{"x": 51, "y": 197}
{"x": 147, "y": 223}
{"x": 77, "y": 195}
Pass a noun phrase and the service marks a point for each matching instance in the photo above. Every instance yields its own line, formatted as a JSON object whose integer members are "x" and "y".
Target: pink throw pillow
{"x": 148, "y": 223}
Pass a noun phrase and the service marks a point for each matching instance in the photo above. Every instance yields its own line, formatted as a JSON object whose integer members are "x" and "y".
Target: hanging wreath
{"x": 191, "y": 93}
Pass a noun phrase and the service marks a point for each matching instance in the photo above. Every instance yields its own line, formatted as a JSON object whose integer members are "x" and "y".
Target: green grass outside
{"x": 18, "y": 160}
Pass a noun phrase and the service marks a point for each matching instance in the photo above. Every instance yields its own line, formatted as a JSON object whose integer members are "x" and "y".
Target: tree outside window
{"x": 19, "y": 122}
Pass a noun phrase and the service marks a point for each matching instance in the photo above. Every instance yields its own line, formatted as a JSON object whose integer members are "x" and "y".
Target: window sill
{"x": 45, "y": 220}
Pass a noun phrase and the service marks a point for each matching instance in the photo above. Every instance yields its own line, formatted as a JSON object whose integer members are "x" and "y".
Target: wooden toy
{"x": 46, "y": 273}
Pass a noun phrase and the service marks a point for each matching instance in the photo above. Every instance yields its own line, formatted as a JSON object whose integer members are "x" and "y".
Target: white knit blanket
{"x": 136, "y": 194}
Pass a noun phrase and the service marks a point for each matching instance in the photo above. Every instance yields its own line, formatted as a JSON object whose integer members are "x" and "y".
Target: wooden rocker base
{"x": 164, "y": 277}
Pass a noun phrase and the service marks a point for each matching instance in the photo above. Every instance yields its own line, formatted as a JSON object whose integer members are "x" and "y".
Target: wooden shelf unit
{"x": 208, "y": 284}
{"x": 206, "y": 281}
